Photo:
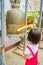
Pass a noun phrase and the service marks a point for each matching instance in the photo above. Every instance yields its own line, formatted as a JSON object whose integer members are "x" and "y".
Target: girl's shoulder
{"x": 34, "y": 48}
{"x": 32, "y": 45}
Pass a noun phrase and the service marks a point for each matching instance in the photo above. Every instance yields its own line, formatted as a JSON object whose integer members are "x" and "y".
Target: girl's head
{"x": 34, "y": 36}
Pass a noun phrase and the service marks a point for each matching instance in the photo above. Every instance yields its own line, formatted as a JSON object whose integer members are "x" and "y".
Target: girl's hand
{"x": 20, "y": 52}
{"x": 25, "y": 56}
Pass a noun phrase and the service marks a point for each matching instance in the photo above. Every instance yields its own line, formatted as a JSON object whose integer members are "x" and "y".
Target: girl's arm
{"x": 25, "y": 56}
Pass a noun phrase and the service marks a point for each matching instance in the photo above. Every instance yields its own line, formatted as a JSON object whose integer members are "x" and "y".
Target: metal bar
{"x": 2, "y": 19}
{"x": 40, "y": 14}
{"x": 2, "y": 32}
{"x": 40, "y": 19}
{"x": 26, "y": 6}
{"x": 0, "y": 16}
{"x": 19, "y": 35}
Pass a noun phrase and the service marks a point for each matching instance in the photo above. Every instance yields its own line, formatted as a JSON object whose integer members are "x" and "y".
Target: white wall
{"x": 22, "y": 5}
{"x": 31, "y": 2}
{"x": 7, "y": 5}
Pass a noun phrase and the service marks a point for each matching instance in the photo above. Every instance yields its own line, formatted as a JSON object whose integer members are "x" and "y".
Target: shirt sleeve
{"x": 27, "y": 51}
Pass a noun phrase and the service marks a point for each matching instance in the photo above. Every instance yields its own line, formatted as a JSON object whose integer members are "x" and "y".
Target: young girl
{"x": 31, "y": 51}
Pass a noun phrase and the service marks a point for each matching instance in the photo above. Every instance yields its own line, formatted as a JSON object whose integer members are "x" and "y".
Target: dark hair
{"x": 34, "y": 36}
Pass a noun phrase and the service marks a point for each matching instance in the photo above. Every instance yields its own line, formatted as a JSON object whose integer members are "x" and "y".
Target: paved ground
{"x": 41, "y": 57}
{"x": 12, "y": 58}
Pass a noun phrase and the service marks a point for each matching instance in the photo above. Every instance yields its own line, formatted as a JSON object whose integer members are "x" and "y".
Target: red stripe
{"x": 30, "y": 50}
